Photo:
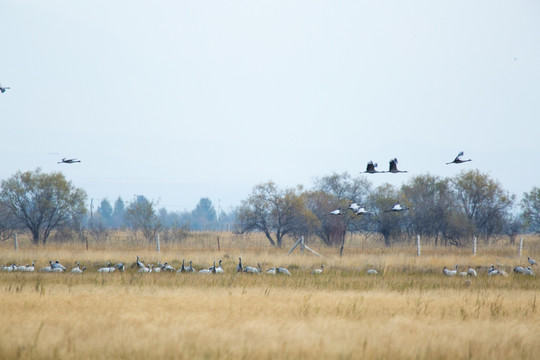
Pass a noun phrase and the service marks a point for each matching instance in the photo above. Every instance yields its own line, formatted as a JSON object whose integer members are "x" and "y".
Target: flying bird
{"x": 69, "y": 161}
{"x": 393, "y": 167}
{"x": 370, "y": 169}
{"x": 397, "y": 207}
{"x": 361, "y": 211}
{"x": 458, "y": 159}
{"x": 3, "y": 88}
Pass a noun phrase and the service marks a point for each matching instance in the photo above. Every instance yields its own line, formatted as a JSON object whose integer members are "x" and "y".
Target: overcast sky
{"x": 178, "y": 100}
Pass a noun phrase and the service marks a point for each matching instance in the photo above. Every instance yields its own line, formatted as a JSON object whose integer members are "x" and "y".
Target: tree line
{"x": 451, "y": 211}
{"x": 48, "y": 205}
{"x": 448, "y": 210}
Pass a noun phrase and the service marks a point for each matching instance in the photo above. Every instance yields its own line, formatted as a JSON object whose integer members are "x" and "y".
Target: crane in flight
{"x": 458, "y": 159}
{"x": 397, "y": 208}
{"x": 370, "y": 169}
{"x": 3, "y": 88}
{"x": 393, "y": 167}
{"x": 69, "y": 161}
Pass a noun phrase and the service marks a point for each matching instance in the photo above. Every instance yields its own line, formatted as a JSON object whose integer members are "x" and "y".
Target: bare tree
{"x": 337, "y": 191}
{"x": 273, "y": 211}
{"x": 141, "y": 215}
{"x": 389, "y": 224}
{"x": 434, "y": 205}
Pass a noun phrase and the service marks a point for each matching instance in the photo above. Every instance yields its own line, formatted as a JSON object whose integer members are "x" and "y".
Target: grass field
{"x": 409, "y": 311}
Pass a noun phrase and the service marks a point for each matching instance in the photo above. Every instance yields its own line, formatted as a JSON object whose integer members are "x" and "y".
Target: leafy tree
{"x": 141, "y": 215}
{"x": 8, "y": 223}
{"x": 118, "y": 214}
{"x": 530, "y": 205}
{"x": 482, "y": 201}
{"x": 43, "y": 202}
{"x": 273, "y": 211}
{"x": 204, "y": 215}
{"x": 105, "y": 210}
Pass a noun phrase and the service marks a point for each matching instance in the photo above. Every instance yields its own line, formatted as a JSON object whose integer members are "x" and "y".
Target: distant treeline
{"x": 447, "y": 210}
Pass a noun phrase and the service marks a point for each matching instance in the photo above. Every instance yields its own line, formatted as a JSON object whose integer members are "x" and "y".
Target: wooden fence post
{"x": 218, "y": 247}
{"x": 418, "y": 252}
{"x": 157, "y": 242}
{"x": 474, "y": 246}
{"x": 16, "y": 243}
{"x": 520, "y": 246}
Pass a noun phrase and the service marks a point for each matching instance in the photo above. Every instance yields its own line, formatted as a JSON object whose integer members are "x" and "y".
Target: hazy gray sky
{"x": 178, "y": 100}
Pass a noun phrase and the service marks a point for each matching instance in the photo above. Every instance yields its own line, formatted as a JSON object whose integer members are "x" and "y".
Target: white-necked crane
{"x": 447, "y": 272}
{"x": 370, "y": 168}
{"x": 531, "y": 261}
{"x": 253, "y": 270}
{"x": 397, "y": 208}
{"x": 372, "y": 272}
{"x": 471, "y": 272}
{"x": 528, "y": 271}
{"x": 57, "y": 265}
{"x": 107, "y": 269}
{"x": 190, "y": 267}
{"x": 69, "y": 161}
{"x": 282, "y": 270}
{"x": 219, "y": 269}
{"x": 167, "y": 267}
{"x": 31, "y": 267}
{"x": 338, "y": 212}
{"x": 78, "y": 270}
{"x": 318, "y": 271}
{"x": 393, "y": 167}
{"x": 458, "y": 159}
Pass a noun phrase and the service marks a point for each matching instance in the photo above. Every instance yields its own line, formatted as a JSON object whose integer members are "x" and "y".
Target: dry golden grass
{"x": 410, "y": 311}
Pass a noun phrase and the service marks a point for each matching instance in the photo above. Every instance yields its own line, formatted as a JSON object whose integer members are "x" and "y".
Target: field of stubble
{"x": 409, "y": 311}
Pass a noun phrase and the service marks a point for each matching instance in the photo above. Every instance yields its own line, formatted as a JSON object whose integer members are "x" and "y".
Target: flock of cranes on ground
{"x": 56, "y": 266}
{"x": 492, "y": 271}
{"x": 370, "y": 169}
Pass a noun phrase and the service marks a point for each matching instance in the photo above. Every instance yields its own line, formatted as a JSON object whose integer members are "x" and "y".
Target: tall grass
{"x": 410, "y": 311}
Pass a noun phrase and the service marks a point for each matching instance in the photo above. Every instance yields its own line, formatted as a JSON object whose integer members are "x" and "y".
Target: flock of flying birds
{"x": 370, "y": 169}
